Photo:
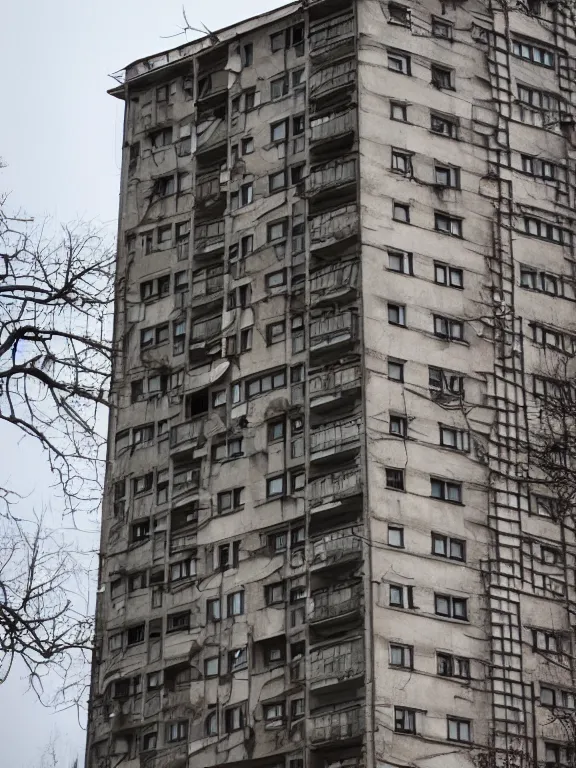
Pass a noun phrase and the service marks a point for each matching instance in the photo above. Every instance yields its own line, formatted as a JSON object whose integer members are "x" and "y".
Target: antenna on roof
{"x": 214, "y": 39}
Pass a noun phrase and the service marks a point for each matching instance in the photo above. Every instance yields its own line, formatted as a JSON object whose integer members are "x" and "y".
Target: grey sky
{"x": 61, "y": 137}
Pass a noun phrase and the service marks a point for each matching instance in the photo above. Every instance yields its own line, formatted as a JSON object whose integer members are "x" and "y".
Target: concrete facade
{"x": 345, "y": 258}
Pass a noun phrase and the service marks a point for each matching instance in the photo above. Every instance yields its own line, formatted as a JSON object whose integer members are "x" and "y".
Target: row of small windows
{"x": 442, "y": 546}
{"x": 447, "y": 606}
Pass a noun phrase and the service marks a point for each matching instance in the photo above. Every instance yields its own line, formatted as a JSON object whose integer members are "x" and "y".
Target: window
{"x": 396, "y": 536}
{"x": 178, "y": 622}
{"x": 246, "y": 340}
{"x": 399, "y": 62}
{"x": 212, "y": 667}
{"x": 230, "y": 501}
{"x": 275, "y": 332}
{"x": 401, "y": 212}
{"x": 401, "y": 656}
{"x": 546, "y": 231}
{"x": 457, "y": 439}
{"x": 399, "y": 14}
{"x": 446, "y": 490}
{"x": 398, "y": 111}
{"x": 249, "y": 99}
{"x": 452, "y": 607}
{"x": 446, "y": 546}
{"x": 119, "y": 498}
{"x": 142, "y": 484}
{"x": 296, "y": 176}
{"x": 276, "y": 279}
{"x": 449, "y": 225}
{"x": 547, "y": 337}
{"x": 395, "y": 370}
{"x": 398, "y": 426}
{"x": 447, "y": 328}
{"x": 274, "y": 654}
{"x": 543, "y": 169}
{"x": 453, "y": 666}
{"x": 235, "y": 604}
{"x": 247, "y": 145}
{"x": 459, "y": 730}
{"x": 164, "y": 186}
{"x": 183, "y": 570}
{"x": 276, "y": 430}
{"x": 154, "y": 681}
{"x": 443, "y": 126}
{"x": 237, "y": 659}
{"x": 298, "y": 481}
{"x": 298, "y": 335}
{"x": 140, "y": 531}
{"x": 273, "y": 714}
{"x": 247, "y": 55}
{"x": 275, "y": 593}
{"x": 400, "y": 261}
{"x": 538, "y": 99}
{"x": 177, "y": 731}
{"x": 279, "y": 87}
{"x": 212, "y": 724}
{"x": 162, "y": 486}
{"x": 446, "y": 275}
{"x": 401, "y": 162}
{"x": 213, "y": 612}
{"x": 395, "y": 479}
{"x": 445, "y": 381}
{"x": 277, "y": 181}
{"x": 441, "y": 28}
{"x": 447, "y": 176}
{"x": 396, "y": 314}
{"x": 180, "y": 281}
{"x": 441, "y": 77}
{"x": 404, "y": 720}
{"x": 162, "y": 93}
{"x": 266, "y": 383}
{"x": 550, "y": 555}
{"x": 135, "y": 635}
{"x": 298, "y": 125}
{"x": 137, "y": 581}
{"x": 548, "y": 642}
{"x": 539, "y": 281}
{"x": 533, "y": 53}
{"x": 279, "y": 131}
{"x": 275, "y": 486}
{"x": 401, "y": 597}
{"x": 149, "y": 741}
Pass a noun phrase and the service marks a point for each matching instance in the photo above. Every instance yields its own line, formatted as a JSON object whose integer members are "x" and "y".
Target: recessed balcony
{"x": 331, "y": 178}
{"x": 334, "y": 666}
{"x": 341, "y": 726}
{"x": 332, "y": 83}
{"x": 204, "y": 335}
{"x": 331, "y": 230}
{"x": 335, "y": 489}
{"x": 209, "y": 238}
{"x": 336, "y": 546}
{"x": 207, "y": 286}
{"x": 336, "y": 603}
{"x": 182, "y": 436}
{"x": 332, "y": 333}
{"x": 334, "y": 282}
{"x": 339, "y": 439}
{"x": 332, "y": 132}
{"x": 334, "y": 37}
{"x": 329, "y": 388}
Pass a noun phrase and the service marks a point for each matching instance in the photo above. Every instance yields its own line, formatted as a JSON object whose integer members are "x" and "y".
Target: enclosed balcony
{"x": 183, "y": 435}
{"x": 330, "y": 388}
{"x": 334, "y": 83}
{"x": 336, "y": 602}
{"x": 209, "y": 239}
{"x": 334, "y": 282}
{"x": 333, "y": 489}
{"x": 213, "y": 87}
{"x": 332, "y": 132}
{"x": 336, "y": 665}
{"x": 344, "y": 544}
{"x": 339, "y": 439}
{"x": 338, "y": 177}
{"x": 207, "y": 285}
{"x": 342, "y": 725}
{"x": 204, "y": 335}
{"x": 332, "y": 333}
{"x": 331, "y": 230}
{"x": 333, "y": 38}
{"x": 184, "y": 525}
{"x": 211, "y": 136}
{"x": 210, "y": 195}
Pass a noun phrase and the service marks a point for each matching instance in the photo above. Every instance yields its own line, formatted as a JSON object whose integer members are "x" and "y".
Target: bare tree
{"x": 55, "y": 358}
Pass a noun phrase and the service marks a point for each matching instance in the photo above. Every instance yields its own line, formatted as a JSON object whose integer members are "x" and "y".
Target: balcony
{"x": 212, "y": 133}
{"x": 209, "y": 238}
{"x": 207, "y": 285}
{"x": 332, "y": 131}
{"x": 331, "y": 490}
{"x": 213, "y": 87}
{"x": 333, "y": 332}
{"x": 336, "y": 546}
{"x": 204, "y": 335}
{"x": 332, "y": 38}
{"x": 330, "y": 230}
{"x": 328, "y": 387}
{"x": 336, "y": 602}
{"x": 331, "y": 83}
{"x": 340, "y": 438}
{"x": 343, "y": 725}
{"x": 183, "y": 434}
{"x": 336, "y": 281}
{"x": 336, "y": 175}
{"x": 335, "y": 665}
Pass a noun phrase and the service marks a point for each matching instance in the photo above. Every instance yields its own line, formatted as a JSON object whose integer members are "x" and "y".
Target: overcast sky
{"x": 60, "y": 134}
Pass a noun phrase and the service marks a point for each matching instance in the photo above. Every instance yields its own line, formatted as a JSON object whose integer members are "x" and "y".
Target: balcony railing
{"x": 337, "y": 726}
{"x": 180, "y": 541}
{"x": 208, "y": 187}
{"x": 333, "y": 329}
{"x": 335, "y": 225}
{"x": 336, "y": 663}
{"x": 212, "y": 84}
{"x": 333, "y": 602}
{"x": 185, "y": 480}
{"x": 335, "y": 486}
{"x": 334, "y": 279}
{"x": 339, "y": 75}
{"x": 209, "y": 237}
{"x": 330, "y": 33}
{"x": 332, "y": 174}
{"x": 330, "y": 126}
{"x": 210, "y": 133}
{"x": 336, "y": 545}
{"x": 207, "y": 282}
{"x": 203, "y": 330}
{"x": 328, "y": 382}
{"x": 183, "y": 433}
{"x": 336, "y": 437}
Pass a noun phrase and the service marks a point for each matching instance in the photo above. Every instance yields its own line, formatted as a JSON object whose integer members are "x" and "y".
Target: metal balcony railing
{"x": 337, "y": 544}
{"x": 337, "y": 436}
{"x": 330, "y": 78}
{"x": 334, "y": 278}
{"x": 341, "y": 661}
{"x": 323, "y": 128}
{"x": 329, "y": 381}
{"x": 325, "y": 489}
{"x": 333, "y": 329}
{"x": 332, "y": 174}
{"x": 334, "y": 225}
{"x": 336, "y": 726}
{"x": 329, "y": 33}
{"x": 332, "y": 602}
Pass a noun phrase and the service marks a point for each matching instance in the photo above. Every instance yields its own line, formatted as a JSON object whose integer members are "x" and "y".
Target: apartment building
{"x": 345, "y": 277}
